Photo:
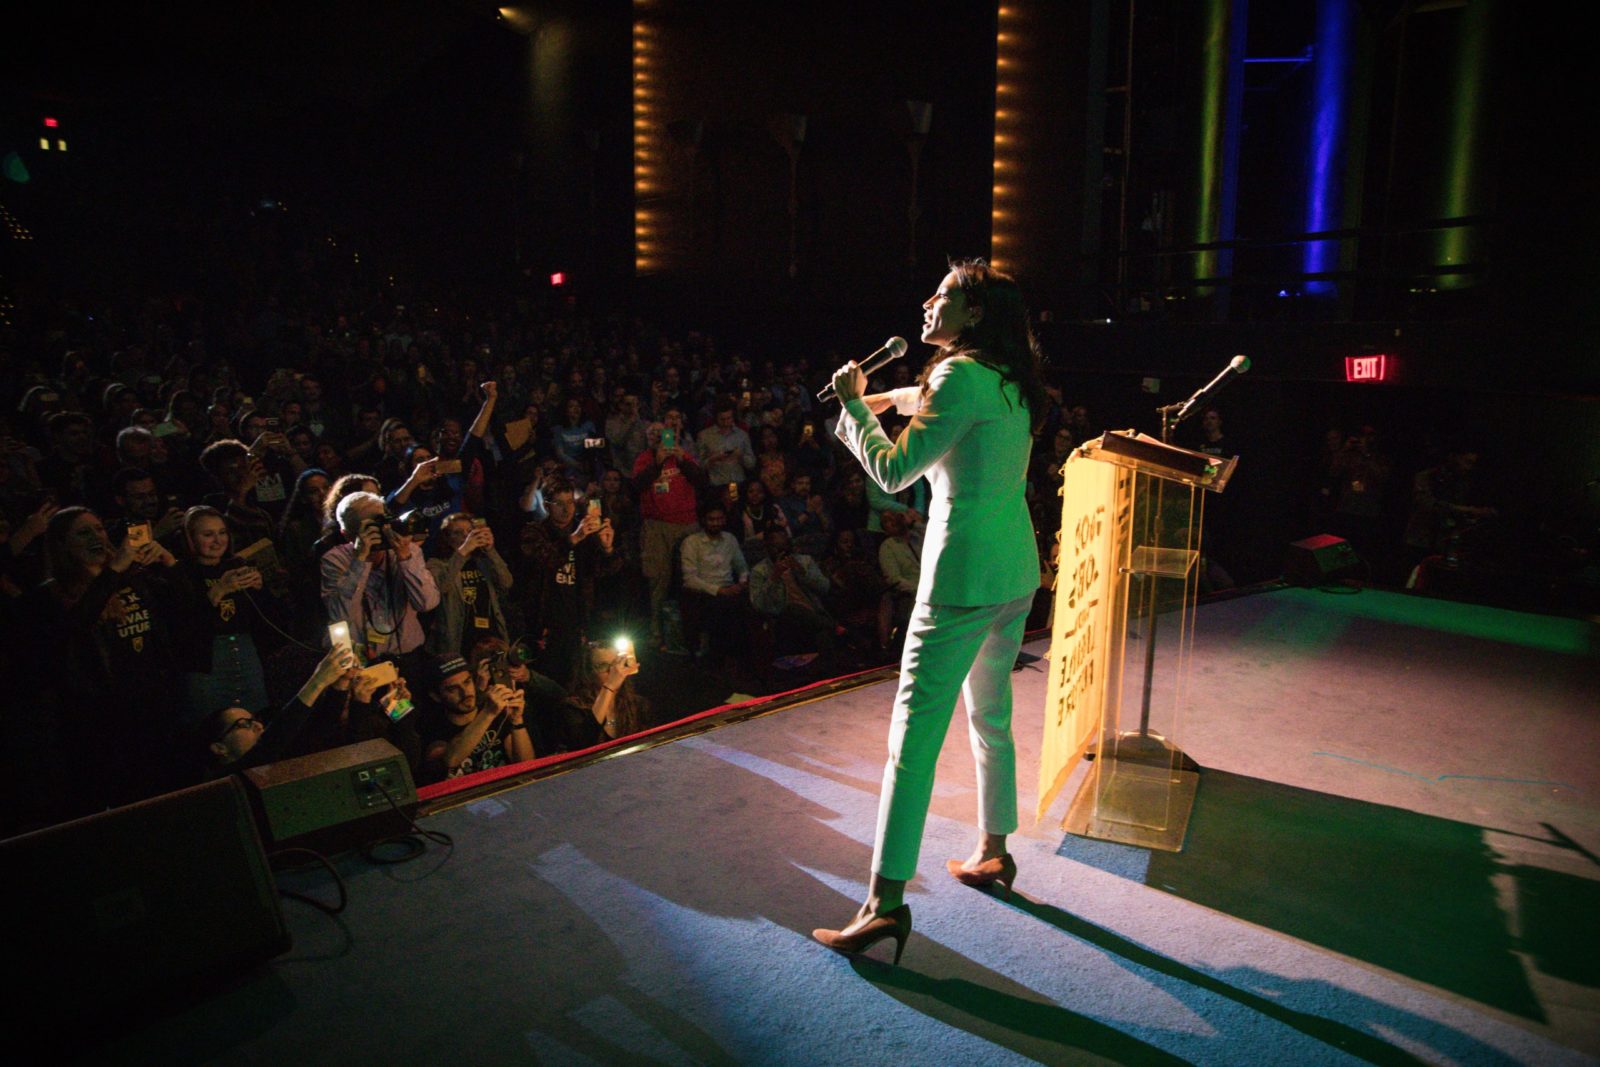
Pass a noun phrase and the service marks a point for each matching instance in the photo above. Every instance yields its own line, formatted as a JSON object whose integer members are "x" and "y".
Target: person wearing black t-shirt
{"x": 223, "y": 611}
{"x": 103, "y": 621}
{"x": 424, "y": 491}
{"x": 464, "y": 731}
{"x": 560, "y": 558}
{"x": 602, "y": 703}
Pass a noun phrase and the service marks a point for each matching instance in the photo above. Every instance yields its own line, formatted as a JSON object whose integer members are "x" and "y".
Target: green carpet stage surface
{"x": 1394, "y": 857}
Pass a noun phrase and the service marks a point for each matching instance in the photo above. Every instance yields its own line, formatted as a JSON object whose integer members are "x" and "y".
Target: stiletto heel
{"x": 867, "y": 929}
{"x": 1001, "y": 870}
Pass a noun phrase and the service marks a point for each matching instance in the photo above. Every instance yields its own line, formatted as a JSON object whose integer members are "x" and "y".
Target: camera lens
{"x": 411, "y": 523}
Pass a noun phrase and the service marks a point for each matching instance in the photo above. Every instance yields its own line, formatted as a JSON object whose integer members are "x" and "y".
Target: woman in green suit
{"x": 973, "y": 418}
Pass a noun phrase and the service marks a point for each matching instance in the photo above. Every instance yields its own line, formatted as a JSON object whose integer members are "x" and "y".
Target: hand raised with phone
{"x": 476, "y": 539}
{"x": 508, "y": 701}
{"x": 234, "y": 581}
{"x": 590, "y": 524}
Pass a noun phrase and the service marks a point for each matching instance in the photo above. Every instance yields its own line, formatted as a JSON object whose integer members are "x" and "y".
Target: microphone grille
{"x": 896, "y": 346}
{"x": 1240, "y": 363}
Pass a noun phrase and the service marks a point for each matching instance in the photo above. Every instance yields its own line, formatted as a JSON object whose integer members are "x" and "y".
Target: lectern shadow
{"x": 1408, "y": 892}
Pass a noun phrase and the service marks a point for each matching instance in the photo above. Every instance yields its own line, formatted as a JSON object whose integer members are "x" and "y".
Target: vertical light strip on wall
{"x": 1330, "y": 100}
{"x": 1458, "y": 246}
{"x": 1213, "y": 89}
{"x": 647, "y": 139}
{"x": 1007, "y": 140}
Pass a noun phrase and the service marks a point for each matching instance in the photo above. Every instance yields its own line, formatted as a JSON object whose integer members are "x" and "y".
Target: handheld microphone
{"x": 1237, "y": 365}
{"x": 892, "y": 349}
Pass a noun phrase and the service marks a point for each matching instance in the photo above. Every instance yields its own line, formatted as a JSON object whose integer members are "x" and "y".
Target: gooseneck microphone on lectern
{"x": 892, "y": 349}
{"x": 1237, "y": 365}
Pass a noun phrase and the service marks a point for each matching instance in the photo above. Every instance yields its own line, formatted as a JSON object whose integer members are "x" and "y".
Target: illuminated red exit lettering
{"x": 1366, "y": 368}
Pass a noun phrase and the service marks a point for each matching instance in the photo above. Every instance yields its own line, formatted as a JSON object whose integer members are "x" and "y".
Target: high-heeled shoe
{"x": 867, "y": 929}
{"x": 1001, "y": 869}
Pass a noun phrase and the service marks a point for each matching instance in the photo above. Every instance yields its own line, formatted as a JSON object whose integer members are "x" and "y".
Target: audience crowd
{"x": 222, "y": 545}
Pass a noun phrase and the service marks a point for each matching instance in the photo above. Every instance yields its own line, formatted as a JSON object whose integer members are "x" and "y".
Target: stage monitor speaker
{"x": 1319, "y": 559}
{"x": 135, "y": 908}
{"x": 333, "y": 800}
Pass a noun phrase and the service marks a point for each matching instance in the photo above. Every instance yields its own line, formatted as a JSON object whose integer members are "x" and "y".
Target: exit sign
{"x": 1367, "y": 368}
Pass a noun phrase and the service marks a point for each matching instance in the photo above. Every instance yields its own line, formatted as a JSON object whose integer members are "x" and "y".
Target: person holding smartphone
{"x": 466, "y": 461}
{"x": 222, "y": 606}
{"x": 472, "y": 578}
{"x": 558, "y": 562}
{"x": 426, "y": 490}
{"x": 470, "y": 722}
{"x": 602, "y": 703}
{"x": 237, "y": 471}
{"x": 234, "y": 739}
{"x": 103, "y": 624}
{"x": 724, "y": 447}
{"x": 569, "y": 439}
{"x": 668, "y": 480}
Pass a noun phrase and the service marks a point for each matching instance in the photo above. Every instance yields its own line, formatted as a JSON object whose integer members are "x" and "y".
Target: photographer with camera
{"x": 376, "y": 581}
{"x": 472, "y": 577}
{"x": 494, "y": 660}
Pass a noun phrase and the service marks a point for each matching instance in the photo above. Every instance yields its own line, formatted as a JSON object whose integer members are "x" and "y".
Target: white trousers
{"x": 970, "y": 650}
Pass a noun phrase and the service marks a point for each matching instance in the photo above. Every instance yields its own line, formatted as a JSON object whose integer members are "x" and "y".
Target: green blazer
{"x": 971, "y": 437}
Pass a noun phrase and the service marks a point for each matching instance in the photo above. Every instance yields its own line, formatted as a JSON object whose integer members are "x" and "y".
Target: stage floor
{"x": 1394, "y": 857}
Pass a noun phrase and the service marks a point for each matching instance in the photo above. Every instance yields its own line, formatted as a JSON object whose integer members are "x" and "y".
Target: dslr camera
{"x": 407, "y": 524}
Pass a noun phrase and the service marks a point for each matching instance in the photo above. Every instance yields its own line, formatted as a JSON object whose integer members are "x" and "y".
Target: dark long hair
{"x": 342, "y": 487}
{"x": 629, "y": 708}
{"x": 69, "y": 577}
{"x": 1001, "y": 338}
{"x": 300, "y": 500}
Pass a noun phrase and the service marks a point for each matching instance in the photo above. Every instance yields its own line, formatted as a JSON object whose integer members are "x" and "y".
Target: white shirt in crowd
{"x": 709, "y": 564}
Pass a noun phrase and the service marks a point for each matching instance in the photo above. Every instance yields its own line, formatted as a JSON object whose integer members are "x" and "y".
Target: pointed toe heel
{"x": 867, "y": 929}
{"x": 1001, "y": 870}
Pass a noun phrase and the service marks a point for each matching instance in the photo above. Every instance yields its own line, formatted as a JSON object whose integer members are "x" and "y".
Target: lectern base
{"x": 1140, "y": 792}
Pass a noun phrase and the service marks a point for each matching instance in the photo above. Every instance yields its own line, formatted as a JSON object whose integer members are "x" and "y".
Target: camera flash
{"x": 624, "y": 647}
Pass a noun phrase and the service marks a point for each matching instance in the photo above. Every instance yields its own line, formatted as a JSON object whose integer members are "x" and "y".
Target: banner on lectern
{"x": 1084, "y": 573}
